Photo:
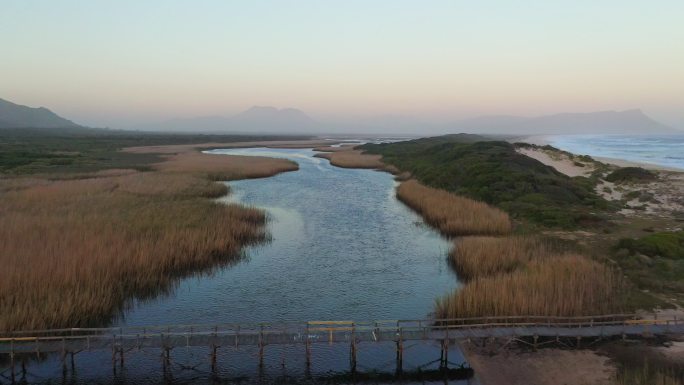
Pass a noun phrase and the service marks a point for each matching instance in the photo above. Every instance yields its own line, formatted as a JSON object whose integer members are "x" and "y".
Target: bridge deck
{"x": 77, "y": 339}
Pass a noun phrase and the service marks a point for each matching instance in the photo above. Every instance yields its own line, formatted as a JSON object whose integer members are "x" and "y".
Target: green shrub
{"x": 493, "y": 172}
{"x": 631, "y": 174}
{"x": 668, "y": 245}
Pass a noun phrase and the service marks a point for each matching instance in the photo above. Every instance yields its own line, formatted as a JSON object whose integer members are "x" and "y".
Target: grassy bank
{"x": 508, "y": 275}
{"x": 569, "y": 285}
{"x": 34, "y": 151}
{"x": 654, "y": 262}
{"x": 494, "y": 173}
{"x": 475, "y": 257}
{"x": 347, "y": 157}
{"x": 451, "y": 214}
{"x": 76, "y": 246}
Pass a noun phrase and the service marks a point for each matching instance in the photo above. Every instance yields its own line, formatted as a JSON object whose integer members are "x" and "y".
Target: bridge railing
{"x": 319, "y": 327}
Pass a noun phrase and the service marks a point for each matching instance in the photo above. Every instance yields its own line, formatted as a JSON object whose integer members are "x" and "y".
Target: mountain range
{"x": 256, "y": 119}
{"x": 18, "y": 116}
{"x": 271, "y": 120}
{"x": 603, "y": 122}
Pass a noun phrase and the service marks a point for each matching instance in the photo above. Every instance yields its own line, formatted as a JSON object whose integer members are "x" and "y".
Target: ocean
{"x": 662, "y": 150}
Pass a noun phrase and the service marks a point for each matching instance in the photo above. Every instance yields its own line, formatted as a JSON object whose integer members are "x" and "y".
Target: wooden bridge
{"x": 528, "y": 329}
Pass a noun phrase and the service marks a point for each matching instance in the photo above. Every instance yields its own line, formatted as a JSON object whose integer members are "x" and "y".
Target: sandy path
{"x": 562, "y": 164}
{"x": 544, "y": 367}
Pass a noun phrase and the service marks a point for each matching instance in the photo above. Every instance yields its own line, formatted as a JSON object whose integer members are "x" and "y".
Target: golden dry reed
{"x": 73, "y": 252}
{"x": 644, "y": 377}
{"x": 349, "y": 158}
{"x": 562, "y": 286}
{"x": 451, "y": 214}
{"x": 483, "y": 256}
{"x": 226, "y": 167}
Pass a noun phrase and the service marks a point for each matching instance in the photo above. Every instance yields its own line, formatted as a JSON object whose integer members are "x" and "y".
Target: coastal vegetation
{"x": 76, "y": 245}
{"x": 347, "y": 157}
{"x": 494, "y": 173}
{"x": 34, "y": 151}
{"x": 506, "y": 273}
{"x": 645, "y": 375}
{"x": 475, "y": 257}
{"x": 631, "y": 175}
{"x": 451, "y": 214}
{"x": 563, "y": 286}
{"x": 654, "y": 262}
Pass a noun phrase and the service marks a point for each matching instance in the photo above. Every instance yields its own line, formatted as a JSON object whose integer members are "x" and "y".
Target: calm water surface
{"x": 342, "y": 248}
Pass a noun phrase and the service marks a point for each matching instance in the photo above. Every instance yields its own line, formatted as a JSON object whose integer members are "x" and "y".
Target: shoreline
{"x": 544, "y": 140}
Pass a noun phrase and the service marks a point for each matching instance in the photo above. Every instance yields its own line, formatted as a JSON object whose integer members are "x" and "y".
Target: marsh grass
{"x": 225, "y": 167}
{"x": 645, "y": 375}
{"x": 485, "y": 256}
{"x": 562, "y": 286}
{"x": 451, "y": 214}
{"x": 348, "y": 158}
{"x": 74, "y": 251}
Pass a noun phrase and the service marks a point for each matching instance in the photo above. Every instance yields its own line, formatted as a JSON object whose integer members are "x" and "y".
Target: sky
{"x": 126, "y": 62}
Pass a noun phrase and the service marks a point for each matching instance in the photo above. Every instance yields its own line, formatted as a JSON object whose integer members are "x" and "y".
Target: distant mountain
{"x": 18, "y": 116}
{"x": 604, "y": 122}
{"x": 256, "y": 119}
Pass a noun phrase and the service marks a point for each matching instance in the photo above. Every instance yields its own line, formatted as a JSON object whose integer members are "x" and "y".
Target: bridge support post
{"x": 536, "y": 338}
{"x": 400, "y": 354}
{"x": 261, "y": 348}
{"x": 12, "y": 361}
{"x": 352, "y": 355}
{"x": 114, "y": 360}
{"x": 213, "y": 358}
{"x": 166, "y": 359}
{"x": 444, "y": 359}
{"x": 308, "y": 351}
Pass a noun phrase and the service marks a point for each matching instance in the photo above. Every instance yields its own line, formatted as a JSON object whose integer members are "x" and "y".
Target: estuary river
{"x": 342, "y": 247}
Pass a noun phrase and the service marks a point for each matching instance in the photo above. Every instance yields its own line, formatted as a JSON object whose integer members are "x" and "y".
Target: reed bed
{"x": 451, "y": 214}
{"x": 226, "y": 167}
{"x": 75, "y": 251}
{"x": 475, "y": 257}
{"x": 342, "y": 147}
{"x": 648, "y": 376}
{"x": 563, "y": 286}
{"x": 349, "y": 158}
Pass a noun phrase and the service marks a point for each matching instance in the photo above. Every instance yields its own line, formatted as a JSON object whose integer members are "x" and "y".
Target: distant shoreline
{"x": 543, "y": 140}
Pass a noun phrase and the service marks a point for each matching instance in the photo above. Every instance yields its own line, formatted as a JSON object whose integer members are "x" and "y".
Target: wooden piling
{"x": 400, "y": 353}
{"x": 12, "y": 361}
{"x": 307, "y": 343}
{"x": 444, "y": 357}
{"x": 213, "y": 357}
{"x": 352, "y": 355}
{"x": 261, "y": 347}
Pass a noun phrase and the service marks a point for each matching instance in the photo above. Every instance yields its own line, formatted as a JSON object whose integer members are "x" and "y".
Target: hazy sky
{"x": 119, "y": 62}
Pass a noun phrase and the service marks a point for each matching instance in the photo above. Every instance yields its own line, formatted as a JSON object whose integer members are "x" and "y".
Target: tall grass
{"x": 348, "y": 158}
{"x": 649, "y": 376}
{"x": 556, "y": 286}
{"x": 451, "y": 214}
{"x": 484, "y": 256}
{"x": 226, "y": 167}
{"x": 72, "y": 252}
